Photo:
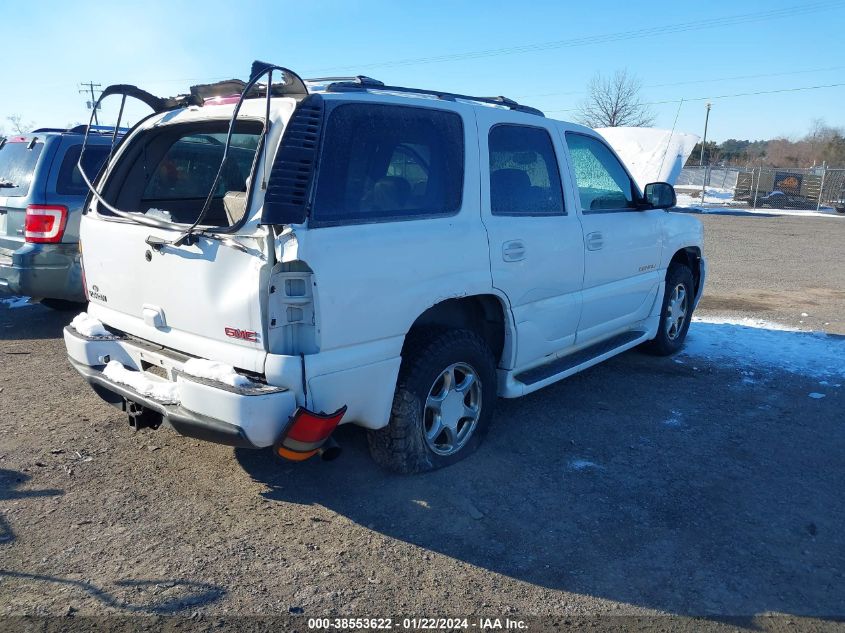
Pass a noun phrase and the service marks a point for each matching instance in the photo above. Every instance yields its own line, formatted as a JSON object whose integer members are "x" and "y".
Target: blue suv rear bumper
{"x": 42, "y": 271}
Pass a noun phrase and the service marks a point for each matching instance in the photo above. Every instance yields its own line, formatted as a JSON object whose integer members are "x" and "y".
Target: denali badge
{"x": 94, "y": 293}
{"x": 244, "y": 335}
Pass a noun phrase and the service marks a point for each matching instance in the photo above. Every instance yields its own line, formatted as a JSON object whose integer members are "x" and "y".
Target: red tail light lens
{"x": 45, "y": 224}
{"x": 313, "y": 427}
{"x": 306, "y": 433}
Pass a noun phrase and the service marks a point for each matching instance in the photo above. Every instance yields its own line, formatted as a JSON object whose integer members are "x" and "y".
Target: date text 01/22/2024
{"x": 416, "y": 624}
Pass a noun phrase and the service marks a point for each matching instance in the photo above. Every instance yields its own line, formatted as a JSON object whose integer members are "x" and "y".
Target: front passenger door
{"x": 622, "y": 242}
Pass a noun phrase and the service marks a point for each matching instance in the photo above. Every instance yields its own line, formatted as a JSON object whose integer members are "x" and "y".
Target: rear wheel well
{"x": 483, "y": 314}
{"x": 691, "y": 258}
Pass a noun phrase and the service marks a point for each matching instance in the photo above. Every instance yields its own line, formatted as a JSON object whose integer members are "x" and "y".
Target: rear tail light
{"x": 306, "y": 433}
{"x": 45, "y": 224}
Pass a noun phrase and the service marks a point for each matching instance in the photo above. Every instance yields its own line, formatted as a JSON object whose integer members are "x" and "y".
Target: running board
{"x": 565, "y": 363}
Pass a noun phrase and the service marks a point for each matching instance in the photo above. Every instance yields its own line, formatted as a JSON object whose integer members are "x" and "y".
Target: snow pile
{"x": 213, "y": 370}
{"x": 756, "y": 343}
{"x": 651, "y": 154}
{"x": 159, "y": 214}
{"x": 712, "y": 195}
{"x": 89, "y": 326}
{"x": 164, "y": 391}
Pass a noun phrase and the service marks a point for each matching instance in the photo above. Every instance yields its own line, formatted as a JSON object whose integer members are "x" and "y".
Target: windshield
{"x": 17, "y": 166}
{"x": 168, "y": 172}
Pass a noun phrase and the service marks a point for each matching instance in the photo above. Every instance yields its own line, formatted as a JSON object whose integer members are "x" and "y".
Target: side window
{"x": 69, "y": 181}
{"x": 389, "y": 162}
{"x": 603, "y": 184}
{"x": 524, "y": 174}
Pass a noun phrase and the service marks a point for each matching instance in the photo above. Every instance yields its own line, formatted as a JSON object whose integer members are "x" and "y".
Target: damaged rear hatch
{"x": 172, "y": 248}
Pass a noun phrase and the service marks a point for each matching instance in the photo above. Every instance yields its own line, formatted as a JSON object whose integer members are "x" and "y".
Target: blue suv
{"x": 41, "y": 198}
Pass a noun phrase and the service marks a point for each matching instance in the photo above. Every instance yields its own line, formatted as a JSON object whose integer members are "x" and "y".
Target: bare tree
{"x": 19, "y": 126}
{"x": 613, "y": 102}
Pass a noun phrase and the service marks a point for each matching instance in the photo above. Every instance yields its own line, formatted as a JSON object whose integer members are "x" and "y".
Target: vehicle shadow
{"x": 33, "y": 321}
{"x": 10, "y": 482}
{"x": 646, "y": 481}
{"x": 182, "y": 594}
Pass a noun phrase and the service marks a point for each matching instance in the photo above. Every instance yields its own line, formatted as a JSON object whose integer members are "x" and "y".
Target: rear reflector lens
{"x": 45, "y": 224}
{"x": 294, "y": 456}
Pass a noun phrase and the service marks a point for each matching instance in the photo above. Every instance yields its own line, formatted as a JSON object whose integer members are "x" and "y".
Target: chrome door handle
{"x": 595, "y": 241}
{"x": 513, "y": 251}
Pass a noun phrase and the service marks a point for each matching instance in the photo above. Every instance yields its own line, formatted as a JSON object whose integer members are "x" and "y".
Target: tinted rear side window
{"x": 70, "y": 181}
{"x": 384, "y": 162}
{"x": 524, "y": 173}
{"x": 17, "y": 167}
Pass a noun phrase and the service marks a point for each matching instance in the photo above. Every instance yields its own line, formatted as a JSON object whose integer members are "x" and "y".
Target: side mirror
{"x": 660, "y": 195}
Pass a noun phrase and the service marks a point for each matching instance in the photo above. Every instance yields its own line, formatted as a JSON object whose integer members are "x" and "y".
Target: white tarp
{"x": 651, "y": 154}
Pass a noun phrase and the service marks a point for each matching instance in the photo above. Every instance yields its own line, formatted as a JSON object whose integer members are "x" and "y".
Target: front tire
{"x": 676, "y": 312}
{"x": 443, "y": 402}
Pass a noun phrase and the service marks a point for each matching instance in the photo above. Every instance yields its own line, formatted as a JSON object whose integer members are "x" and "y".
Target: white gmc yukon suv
{"x": 263, "y": 266}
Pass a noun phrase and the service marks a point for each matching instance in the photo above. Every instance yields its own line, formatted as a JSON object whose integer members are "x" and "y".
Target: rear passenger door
{"x": 623, "y": 241}
{"x": 536, "y": 246}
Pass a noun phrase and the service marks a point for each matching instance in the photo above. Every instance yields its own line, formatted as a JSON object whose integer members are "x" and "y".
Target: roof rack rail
{"x": 355, "y": 86}
{"x": 97, "y": 129}
{"x": 361, "y": 80}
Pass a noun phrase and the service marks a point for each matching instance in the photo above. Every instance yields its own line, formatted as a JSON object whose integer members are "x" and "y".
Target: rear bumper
{"x": 207, "y": 410}
{"x": 43, "y": 271}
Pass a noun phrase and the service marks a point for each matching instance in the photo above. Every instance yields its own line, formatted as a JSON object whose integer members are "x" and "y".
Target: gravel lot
{"x": 642, "y": 486}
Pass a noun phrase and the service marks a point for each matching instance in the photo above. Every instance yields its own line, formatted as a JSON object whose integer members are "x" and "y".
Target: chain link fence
{"x": 816, "y": 188}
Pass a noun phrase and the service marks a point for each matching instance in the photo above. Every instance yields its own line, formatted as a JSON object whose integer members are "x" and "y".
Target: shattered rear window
{"x": 17, "y": 167}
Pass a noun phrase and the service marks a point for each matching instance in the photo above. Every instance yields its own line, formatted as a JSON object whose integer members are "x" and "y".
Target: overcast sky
{"x": 541, "y": 53}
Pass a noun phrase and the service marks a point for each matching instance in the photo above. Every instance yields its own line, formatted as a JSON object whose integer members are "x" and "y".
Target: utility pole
{"x": 87, "y": 88}
{"x": 703, "y": 145}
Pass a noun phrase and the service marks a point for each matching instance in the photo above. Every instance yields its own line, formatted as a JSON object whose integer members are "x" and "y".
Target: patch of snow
{"x": 712, "y": 195}
{"x": 159, "y": 214}
{"x": 674, "y": 420}
{"x": 213, "y": 370}
{"x": 15, "y": 302}
{"x": 87, "y": 325}
{"x": 717, "y": 203}
{"x": 583, "y": 464}
{"x": 162, "y": 390}
{"x": 754, "y": 343}
{"x": 816, "y": 395}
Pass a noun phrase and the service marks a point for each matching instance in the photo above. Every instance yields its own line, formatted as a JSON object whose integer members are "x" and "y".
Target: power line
{"x": 804, "y": 71}
{"x": 731, "y": 96}
{"x": 682, "y": 27}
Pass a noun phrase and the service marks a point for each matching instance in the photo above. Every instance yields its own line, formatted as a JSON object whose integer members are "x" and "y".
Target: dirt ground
{"x": 643, "y": 486}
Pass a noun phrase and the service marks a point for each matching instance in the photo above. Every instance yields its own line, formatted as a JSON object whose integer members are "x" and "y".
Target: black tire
{"x": 663, "y": 344}
{"x": 401, "y": 446}
{"x": 61, "y": 305}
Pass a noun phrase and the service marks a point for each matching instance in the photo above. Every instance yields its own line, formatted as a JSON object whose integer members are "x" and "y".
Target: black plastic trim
{"x": 560, "y": 365}
{"x": 292, "y": 177}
